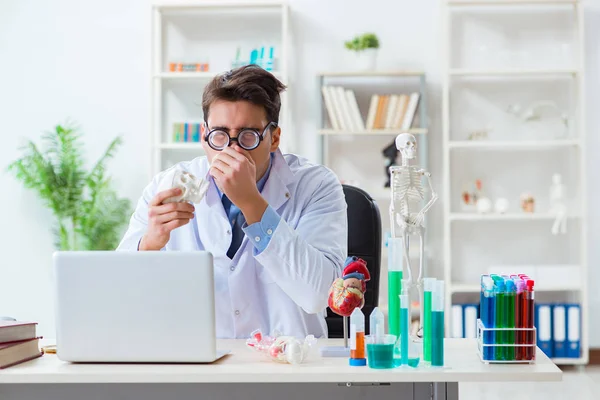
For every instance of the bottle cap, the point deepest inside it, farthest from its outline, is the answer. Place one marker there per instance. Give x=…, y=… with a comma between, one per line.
x=500, y=286
x=530, y=284
x=358, y=362
x=510, y=285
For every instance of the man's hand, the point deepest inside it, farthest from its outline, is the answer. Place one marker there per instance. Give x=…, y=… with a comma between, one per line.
x=163, y=218
x=235, y=174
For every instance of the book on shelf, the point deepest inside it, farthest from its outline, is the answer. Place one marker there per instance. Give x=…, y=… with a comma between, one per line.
x=342, y=108
x=411, y=110
x=18, y=342
x=386, y=111
x=372, y=111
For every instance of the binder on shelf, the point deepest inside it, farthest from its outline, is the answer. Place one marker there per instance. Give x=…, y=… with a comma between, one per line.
x=559, y=330
x=470, y=320
x=457, y=321
x=543, y=323
x=573, y=331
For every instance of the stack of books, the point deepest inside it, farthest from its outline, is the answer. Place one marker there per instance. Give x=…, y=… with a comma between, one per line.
x=386, y=111
x=18, y=343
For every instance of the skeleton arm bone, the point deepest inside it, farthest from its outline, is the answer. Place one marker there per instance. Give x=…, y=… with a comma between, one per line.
x=434, y=196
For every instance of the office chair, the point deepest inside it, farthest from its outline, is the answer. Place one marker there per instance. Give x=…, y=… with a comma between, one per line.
x=364, y=241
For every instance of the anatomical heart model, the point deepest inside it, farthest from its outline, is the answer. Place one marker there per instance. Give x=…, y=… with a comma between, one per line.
x=348, y=292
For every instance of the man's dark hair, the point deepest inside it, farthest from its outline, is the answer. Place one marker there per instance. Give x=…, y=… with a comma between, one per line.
x=248, y=83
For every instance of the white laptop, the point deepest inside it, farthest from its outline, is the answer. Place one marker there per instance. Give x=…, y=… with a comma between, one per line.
x=116, y=306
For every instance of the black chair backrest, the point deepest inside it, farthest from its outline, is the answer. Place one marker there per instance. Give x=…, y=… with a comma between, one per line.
x=364, y=241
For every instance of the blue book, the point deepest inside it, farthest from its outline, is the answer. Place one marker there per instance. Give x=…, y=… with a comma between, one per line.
x=543, y=324
x=196, y=134
x=186, y=137
x=573, y=330
x=559, y=330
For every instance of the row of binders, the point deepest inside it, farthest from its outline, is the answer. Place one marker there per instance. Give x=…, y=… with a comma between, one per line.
x=559, y=329
x=464, y=321
x=395, y=111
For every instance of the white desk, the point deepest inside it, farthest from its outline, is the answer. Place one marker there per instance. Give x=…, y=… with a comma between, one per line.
x=244, y=374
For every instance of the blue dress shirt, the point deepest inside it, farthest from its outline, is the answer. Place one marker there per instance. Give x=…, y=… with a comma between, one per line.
x=259, y=233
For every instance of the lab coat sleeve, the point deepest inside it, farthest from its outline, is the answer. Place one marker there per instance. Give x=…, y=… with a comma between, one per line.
x=306, y=260
x=138, y=222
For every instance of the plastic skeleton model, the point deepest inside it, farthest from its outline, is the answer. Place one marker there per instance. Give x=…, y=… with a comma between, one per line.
x=408, y=194
x=192, y=189
x=557, y=204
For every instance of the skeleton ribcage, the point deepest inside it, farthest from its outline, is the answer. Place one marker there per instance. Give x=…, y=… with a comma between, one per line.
x=407, y=189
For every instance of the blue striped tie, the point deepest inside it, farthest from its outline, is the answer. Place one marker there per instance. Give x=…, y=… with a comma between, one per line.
x=236, y=219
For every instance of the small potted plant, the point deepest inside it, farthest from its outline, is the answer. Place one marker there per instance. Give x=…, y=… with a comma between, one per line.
x=365, y=48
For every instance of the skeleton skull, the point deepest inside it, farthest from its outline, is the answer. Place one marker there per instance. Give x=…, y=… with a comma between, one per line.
x=407, y=144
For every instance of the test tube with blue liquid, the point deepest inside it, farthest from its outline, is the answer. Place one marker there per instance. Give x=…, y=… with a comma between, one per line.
x=429, y=284
x=487, y=309
x=437, y=325
x=404, y=323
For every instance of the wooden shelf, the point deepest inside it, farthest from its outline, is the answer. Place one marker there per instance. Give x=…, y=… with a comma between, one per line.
x=358, y=74
x=371, y=132
x=513, y=144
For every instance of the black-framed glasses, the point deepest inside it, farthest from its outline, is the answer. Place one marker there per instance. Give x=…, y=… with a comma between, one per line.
x=247, y=139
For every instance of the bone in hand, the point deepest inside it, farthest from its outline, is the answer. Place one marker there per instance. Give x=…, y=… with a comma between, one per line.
x=193, y=189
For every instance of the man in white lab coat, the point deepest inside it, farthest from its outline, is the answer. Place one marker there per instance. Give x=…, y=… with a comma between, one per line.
x=275, y=224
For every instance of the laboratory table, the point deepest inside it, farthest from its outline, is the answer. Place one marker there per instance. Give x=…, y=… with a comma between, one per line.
x=246, y=374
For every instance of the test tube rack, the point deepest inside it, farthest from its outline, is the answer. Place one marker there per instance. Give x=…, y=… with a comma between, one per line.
x=491, y=347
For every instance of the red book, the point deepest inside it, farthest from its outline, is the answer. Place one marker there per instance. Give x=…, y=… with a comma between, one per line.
x=18, y=352
x=15, y=331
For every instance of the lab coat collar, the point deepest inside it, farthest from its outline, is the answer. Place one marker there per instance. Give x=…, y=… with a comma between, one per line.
x=276, y=190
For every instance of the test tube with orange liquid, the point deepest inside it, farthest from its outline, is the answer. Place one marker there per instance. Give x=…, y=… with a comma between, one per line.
x=357, y=338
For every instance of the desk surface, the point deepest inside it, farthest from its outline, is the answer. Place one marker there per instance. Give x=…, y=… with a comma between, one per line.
x=244, y=365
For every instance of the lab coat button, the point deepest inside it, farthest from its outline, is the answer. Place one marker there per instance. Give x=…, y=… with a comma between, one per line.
x=228, y=232
x=257, y=239
x=237, y=312
x=232, y=268
x=270, y=231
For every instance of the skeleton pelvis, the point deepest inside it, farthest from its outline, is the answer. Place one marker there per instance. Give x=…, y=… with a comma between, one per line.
x=409, y=221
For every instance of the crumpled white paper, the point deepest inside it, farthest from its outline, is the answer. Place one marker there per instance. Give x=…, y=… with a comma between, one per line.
x=193, y=189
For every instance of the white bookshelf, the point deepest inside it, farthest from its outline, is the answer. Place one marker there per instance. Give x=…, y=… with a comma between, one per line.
x=356, y=155
x=192, y=31
x=478, y=80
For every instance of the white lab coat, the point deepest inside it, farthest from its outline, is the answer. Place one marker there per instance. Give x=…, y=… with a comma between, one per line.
x=285, y=287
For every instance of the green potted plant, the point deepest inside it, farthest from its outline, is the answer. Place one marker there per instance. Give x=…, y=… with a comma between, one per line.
x=365, y=48
x=89, y=214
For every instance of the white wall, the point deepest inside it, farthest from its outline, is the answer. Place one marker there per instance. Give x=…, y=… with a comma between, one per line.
x=89, y=61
